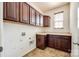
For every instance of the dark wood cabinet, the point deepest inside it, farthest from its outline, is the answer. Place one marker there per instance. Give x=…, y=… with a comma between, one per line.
x=24, y=12
x=11, y=11
x=46, y=21
x=41, y=41
x=66, y=43
x=60, y=42
x=42, y=20
x=51, y=42
x=32, y=16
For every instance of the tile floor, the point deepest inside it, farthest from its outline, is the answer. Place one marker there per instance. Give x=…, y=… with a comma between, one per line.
x=48, y=52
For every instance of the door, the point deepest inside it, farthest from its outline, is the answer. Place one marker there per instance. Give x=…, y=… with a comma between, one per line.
x=51, y=41
x=74, y=17
x=37, y=19
x=11, y=11
x=65, y=44
x=1, y=26
x=39, y=41
x=32, y=16
x=58, y=42
x=46, y=21
x=0, y=36
x=41, y=20
x=24, y=12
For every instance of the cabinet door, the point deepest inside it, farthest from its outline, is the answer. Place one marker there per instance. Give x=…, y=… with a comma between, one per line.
x=46, y=21
x=32, y=16
x=58, y=42
x=41, y=20
x=37, y=19
x=66, y=43
x=11, y=11
x=24, y=12
x=41, y=41
x=51, y=41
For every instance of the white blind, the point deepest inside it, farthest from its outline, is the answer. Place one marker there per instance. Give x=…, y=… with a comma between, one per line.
x=58, y=20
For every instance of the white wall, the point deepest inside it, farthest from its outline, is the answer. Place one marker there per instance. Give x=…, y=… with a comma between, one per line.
x=66, y=9
x=73, y=28
x=14, y=43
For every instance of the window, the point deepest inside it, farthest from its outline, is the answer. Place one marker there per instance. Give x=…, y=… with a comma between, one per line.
x=78, y=17
x=58, y=20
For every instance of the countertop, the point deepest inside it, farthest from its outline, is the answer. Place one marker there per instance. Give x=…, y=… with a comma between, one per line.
x=54, y=33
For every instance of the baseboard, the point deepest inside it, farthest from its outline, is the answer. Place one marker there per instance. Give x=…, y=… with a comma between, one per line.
x=29, y=52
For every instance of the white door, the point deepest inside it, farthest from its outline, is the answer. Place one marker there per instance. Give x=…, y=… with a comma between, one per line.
x=0, y=37
x=74, y=28
x=1, y=25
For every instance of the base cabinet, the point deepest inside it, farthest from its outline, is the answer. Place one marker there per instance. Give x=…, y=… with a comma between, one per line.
x=41, y=41
x=60, y=42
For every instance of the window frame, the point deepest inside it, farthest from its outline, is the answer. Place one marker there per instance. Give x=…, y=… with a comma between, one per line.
x=58, y=21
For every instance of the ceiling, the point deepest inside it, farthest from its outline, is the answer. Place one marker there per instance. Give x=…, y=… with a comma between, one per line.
x=45, y=6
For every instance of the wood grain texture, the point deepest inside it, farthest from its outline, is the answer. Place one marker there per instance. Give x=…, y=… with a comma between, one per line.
x=11, y=11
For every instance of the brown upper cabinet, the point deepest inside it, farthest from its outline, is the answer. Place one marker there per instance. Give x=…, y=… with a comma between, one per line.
x=46, y=21
x=32, y=16
x=11, y=11
x=61, y=42
x=24, y=12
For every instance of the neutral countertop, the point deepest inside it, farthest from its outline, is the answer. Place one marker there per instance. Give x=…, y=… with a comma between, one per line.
x=54, y=33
